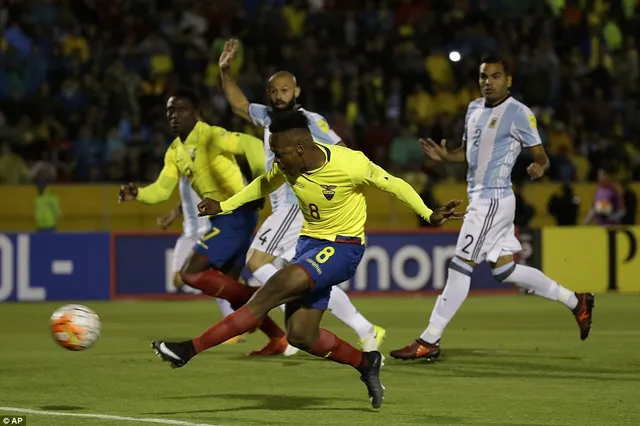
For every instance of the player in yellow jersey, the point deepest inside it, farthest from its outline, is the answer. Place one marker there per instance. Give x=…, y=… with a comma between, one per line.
x=327, y=181
x=205, y=155
x=251, y=162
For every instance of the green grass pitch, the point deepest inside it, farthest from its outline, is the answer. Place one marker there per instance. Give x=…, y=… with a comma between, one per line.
x=506, y=360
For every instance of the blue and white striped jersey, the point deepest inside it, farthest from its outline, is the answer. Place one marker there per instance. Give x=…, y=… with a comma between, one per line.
x=494, y=137
x=320, y=130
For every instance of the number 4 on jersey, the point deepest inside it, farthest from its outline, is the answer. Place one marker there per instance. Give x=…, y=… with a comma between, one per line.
x=263, y=237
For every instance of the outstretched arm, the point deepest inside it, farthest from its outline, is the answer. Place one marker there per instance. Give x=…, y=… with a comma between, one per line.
x=371, y=174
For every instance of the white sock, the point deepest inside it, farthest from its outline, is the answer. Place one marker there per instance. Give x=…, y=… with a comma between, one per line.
x=341, y=307
x=534, y=280
x=454, y=294
x=265, y=272
x=225, y=307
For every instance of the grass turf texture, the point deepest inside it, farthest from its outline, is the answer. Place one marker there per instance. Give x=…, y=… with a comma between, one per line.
x=507, y=360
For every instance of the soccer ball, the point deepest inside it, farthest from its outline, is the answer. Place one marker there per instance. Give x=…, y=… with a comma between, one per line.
x=75, y=327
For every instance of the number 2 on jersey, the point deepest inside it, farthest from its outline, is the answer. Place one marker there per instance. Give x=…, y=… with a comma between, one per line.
x=314, y=212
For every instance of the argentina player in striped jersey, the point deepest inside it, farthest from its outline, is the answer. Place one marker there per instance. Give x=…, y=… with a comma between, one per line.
x=497, y=127
x=277, y=237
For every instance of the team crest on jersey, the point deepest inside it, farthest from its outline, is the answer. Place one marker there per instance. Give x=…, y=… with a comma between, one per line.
x=328, y=191
x=493, y=122
x=192, y=154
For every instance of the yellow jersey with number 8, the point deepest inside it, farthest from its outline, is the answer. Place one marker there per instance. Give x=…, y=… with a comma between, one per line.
x=331, y=197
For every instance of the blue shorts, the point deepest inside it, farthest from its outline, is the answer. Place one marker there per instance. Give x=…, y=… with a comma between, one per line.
x=228, y=241
x=327, y=263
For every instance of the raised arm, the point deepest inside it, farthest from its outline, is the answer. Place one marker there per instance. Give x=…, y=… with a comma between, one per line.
x=163, y=187
x=238, y=101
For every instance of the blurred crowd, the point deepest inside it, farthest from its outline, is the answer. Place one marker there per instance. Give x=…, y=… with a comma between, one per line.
x=83, y=83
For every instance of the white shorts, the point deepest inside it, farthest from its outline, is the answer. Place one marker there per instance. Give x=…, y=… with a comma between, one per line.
x=279, y=233
x=487, y=230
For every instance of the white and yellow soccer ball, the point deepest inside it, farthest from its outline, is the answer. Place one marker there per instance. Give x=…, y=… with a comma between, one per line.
x=75, y=327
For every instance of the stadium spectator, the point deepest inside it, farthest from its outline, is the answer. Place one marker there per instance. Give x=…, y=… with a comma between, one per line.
x=72, y=72
x=13, y=169
x=564, y=206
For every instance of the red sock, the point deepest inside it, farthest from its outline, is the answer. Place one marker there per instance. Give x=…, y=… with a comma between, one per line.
x=337, y=350
x=232, y=325
x=216, y=284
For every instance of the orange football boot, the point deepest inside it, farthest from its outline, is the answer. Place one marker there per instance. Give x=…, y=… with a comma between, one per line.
x=418, y=349
x=273, y=347
x=584, y=313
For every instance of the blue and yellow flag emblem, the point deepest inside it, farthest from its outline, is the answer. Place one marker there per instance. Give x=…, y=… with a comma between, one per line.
x=328, y=191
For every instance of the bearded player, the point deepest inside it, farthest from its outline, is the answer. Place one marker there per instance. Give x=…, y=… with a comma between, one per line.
x=497, y=127
x=278, y=235
x=330, y=247
x=203, y=155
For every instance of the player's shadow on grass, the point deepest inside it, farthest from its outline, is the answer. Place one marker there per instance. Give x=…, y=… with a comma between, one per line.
x=269, y=402
x=538, y=361
x=298, y=359
x=505, y=369
x=506, y=353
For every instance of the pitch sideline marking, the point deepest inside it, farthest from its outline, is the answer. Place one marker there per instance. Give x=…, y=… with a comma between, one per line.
x=15, y=410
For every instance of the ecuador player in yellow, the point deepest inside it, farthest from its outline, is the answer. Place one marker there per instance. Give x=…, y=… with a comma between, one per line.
x=328, y=182
x=205, y=155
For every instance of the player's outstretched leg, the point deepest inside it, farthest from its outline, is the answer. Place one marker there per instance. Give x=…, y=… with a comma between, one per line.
x=304, y=332
x=214, y=283
x=226, y=310
x=455, y=292
x=288, y=284
x=580, y=304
